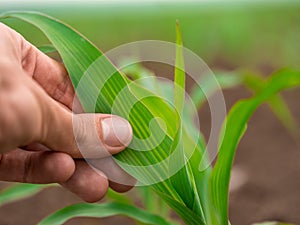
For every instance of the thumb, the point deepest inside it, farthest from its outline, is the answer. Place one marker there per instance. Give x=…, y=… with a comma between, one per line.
x=84, y=135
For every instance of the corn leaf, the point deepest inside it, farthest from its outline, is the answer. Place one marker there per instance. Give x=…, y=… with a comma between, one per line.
x=19, y=191
x=225, y=80
x=100, y=211
x=140, y=75
x=276, y=103
x=199, y=180
x=179, y=73
x=234, y=128
x=186, y=192
x=254, y=83
x=199, y=197
x=92, y=75
x=188, y=216
x=47, y=49
x=78, y=55
x=118, y=197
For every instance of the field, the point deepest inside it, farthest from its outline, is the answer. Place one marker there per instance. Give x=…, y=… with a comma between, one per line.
x=257, y=37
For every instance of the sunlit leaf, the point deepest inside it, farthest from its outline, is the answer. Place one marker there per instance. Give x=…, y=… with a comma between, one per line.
x=101, y=211
x=276, y=102
x=19, y=191
x=234, y=129
x=113, y=88
x=198, y=197
x=47, y=49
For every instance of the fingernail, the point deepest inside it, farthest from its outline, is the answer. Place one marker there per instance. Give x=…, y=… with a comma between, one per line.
x=116, y=131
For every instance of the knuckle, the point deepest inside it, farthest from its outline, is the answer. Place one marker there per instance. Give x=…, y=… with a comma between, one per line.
x=87, y=139
x=81, y=124
x=79, y=130
x=27, y=169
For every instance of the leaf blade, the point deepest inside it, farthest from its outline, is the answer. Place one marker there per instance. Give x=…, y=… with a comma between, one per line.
x=19, y=191
x=235, y=126
x=79, y=55
x=101, y=211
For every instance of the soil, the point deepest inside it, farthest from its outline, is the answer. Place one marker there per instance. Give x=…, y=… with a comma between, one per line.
x=267, y=158
x=270, y=158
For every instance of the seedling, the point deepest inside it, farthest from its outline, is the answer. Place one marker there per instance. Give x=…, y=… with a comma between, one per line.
x=198, y=197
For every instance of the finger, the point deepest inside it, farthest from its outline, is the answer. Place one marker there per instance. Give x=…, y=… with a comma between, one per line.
x=81, y=135
x=121, y=188
x=85, y=135
x=30, y=115
x=88, y=184
x=119, y=180
x=36, y=167
x=50, y=74
x=34, y=147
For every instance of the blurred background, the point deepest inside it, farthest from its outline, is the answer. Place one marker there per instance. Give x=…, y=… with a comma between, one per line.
x=256, y=36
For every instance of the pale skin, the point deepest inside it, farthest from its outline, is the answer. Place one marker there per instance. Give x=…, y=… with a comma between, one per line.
x=38, y=126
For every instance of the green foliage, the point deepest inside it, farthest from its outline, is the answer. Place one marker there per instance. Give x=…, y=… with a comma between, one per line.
x=198, y=197
x=210, y=29
x=19, y=191
x=100, y=211
x=276, y=102
x=234, y=128
x=47, y=49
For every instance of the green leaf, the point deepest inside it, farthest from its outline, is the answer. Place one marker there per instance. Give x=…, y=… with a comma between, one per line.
x=153, y=203
x=19, y=191
x=186, y=191
x=79, y=55
x=101, y=211
x=283, y=113
x=224, y=79
x=254, y=83
x=234, y=128
x=179, y=73
x=118, y=197
x=276, y=103
x=47, y=49
x=94, y=76
x=199, y=179
x=141, y=75
x=188, y=216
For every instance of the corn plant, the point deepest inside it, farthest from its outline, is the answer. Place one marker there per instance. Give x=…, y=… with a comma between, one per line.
x=199, y=197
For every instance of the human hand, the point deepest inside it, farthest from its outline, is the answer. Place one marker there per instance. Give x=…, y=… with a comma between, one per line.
x=38, y=130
